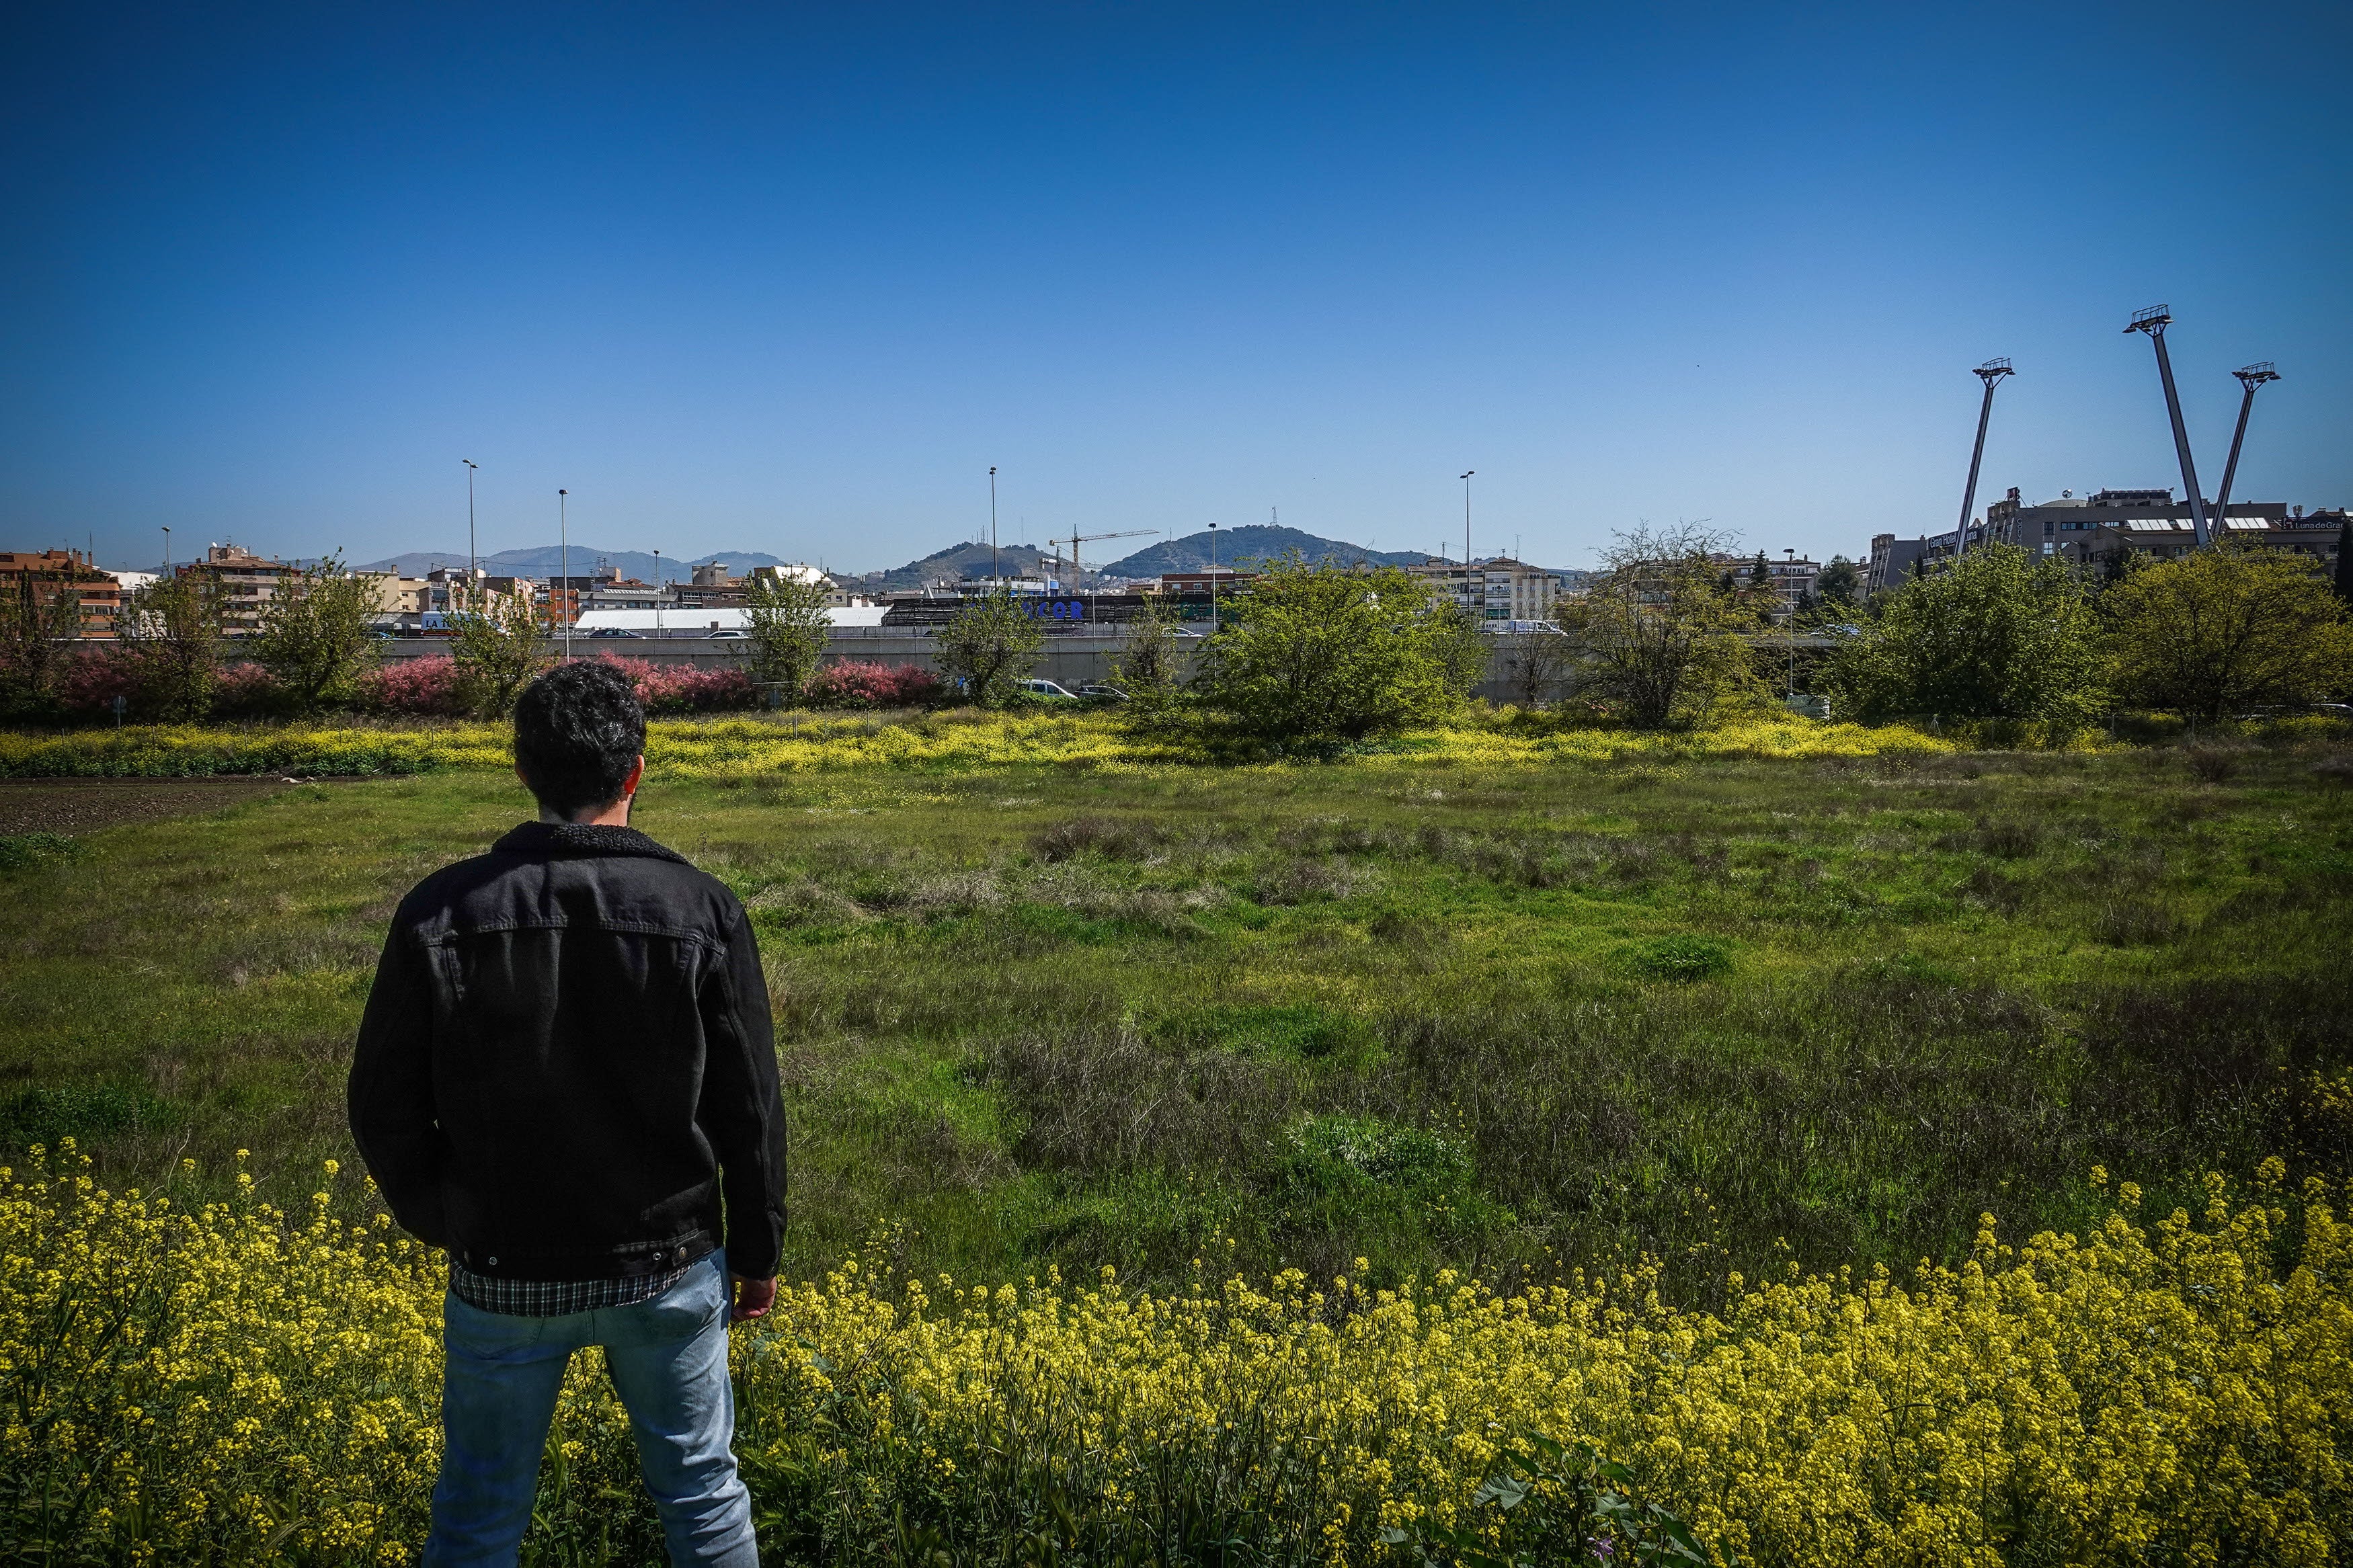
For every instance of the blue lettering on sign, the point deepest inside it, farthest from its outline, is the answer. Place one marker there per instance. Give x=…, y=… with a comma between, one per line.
x=1058, y=609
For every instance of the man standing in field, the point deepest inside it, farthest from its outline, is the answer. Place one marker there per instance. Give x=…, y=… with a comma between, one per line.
x=566, y=1077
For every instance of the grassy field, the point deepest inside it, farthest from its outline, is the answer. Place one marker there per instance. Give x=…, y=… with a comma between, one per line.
x=1734, y=1012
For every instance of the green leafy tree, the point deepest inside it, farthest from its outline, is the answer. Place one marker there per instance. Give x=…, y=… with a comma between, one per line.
x=2216, y=631
x=167, y=639
x=1149, y=666
x=1537, y=663
x=39, y=620
x=787, y=625
x=1838, y=585
x=498, y=648
x=988, y=645
x=318, y=636
x=1999, y=634
x=1313, y=656
x=1659, y=633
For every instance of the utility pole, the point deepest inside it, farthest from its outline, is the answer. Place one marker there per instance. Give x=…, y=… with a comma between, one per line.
x=2153, y=322
x=993, y=575
x=471, y=567
x=563, y=530
x=1990, y=373
x=2250, y=377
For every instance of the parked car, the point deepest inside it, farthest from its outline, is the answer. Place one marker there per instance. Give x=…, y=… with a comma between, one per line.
x=611, y=632
x=1046, y=689
x=715, y=635
x=1098, y=693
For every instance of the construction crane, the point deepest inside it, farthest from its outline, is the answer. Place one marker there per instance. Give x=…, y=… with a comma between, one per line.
x=1077, y=539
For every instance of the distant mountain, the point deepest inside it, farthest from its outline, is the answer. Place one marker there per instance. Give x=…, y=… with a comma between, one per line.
x=1240, y=547
x=547, y=560
x=1251, y=542
x=1235, y=546
x=958, y=561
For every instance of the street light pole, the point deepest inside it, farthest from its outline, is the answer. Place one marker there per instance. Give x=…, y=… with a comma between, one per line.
x=657, y=596
x=563, y=531
x=1213, y=579
x=1792, y=555
x=993, y=573
x=472, y=566
x=1467, y=539
x=167, y=549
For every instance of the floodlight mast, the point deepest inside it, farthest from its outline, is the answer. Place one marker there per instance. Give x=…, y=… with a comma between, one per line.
x=2250, y=377
x=2153, y=322
x=1990, y=373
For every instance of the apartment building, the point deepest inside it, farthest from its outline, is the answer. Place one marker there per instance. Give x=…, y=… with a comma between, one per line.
x=1790, y=578
x=1499, y=589
x=247, y=581
x=47, y=574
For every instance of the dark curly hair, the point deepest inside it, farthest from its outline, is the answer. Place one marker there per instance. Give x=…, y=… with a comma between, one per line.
x=578, y=728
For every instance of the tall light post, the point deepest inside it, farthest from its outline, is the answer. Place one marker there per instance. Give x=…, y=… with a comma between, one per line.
x=563, y=532
x=1213, y=579
x=1990, y=373
x=167, y=549
x=472, y=566
x=993, y=573
x=1466, y=530
x=1792, y=556
x=657, y=596
x=2250, y=377
x=2153, y=322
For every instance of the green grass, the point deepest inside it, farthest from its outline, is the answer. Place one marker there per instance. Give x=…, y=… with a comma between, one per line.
x=1730, y=1011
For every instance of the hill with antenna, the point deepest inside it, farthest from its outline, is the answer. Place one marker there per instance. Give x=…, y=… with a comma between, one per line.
x=1252, y=542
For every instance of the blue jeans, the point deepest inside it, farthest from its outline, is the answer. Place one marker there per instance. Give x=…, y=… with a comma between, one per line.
x=668, y=1357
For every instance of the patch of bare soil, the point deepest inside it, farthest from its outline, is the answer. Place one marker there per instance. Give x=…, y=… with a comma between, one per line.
x=82, y=805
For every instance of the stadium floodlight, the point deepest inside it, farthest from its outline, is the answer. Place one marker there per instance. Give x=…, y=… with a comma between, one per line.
x=2250, y=377
x=1990, y=373
x=2153, y=322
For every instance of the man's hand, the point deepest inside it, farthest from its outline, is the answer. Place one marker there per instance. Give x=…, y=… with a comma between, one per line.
x=752, y=1297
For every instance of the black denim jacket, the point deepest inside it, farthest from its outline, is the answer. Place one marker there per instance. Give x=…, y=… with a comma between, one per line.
x=567, y=1070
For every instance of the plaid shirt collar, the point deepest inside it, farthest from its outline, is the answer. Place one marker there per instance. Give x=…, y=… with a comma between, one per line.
x=557, y=1298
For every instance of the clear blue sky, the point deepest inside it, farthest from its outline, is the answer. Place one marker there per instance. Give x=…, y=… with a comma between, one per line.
x=791, y=278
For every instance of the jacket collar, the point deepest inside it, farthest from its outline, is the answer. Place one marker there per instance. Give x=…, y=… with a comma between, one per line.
x=582, y=838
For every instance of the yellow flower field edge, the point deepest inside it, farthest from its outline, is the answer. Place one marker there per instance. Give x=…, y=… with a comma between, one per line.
x=752, y=747
x=221, y=1384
